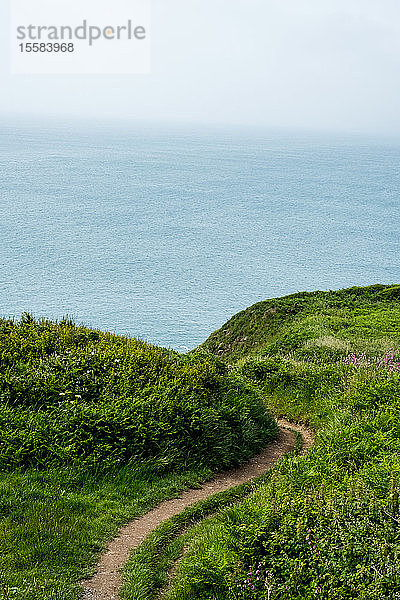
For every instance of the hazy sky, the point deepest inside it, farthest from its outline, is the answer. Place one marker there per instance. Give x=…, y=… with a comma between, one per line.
x=320, y=64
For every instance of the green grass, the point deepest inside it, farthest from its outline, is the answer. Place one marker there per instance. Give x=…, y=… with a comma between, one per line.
x=69, y=395
x=327, y=525
x=146, y=575
x=95, y=429
x=54, y=522
x=362, y=317
x=80, y=410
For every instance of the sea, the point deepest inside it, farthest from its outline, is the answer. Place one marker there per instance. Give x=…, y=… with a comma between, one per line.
x=163, y=232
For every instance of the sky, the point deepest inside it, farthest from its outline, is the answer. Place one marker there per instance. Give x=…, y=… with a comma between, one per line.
x=310, y=64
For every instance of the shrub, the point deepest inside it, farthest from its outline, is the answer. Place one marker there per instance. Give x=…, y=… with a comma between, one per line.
x=73, y=394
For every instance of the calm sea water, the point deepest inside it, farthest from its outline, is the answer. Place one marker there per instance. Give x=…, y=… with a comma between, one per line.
x=164, y=234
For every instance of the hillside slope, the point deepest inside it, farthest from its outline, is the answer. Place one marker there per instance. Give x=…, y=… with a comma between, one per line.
x=95, y=430
x=71, y=394
x=326, y=526
x=312, y=321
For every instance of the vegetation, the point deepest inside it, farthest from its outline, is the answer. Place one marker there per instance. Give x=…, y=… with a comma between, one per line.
x=324, y=325
x=148, y=572
x=94, y=430
x=54, y=522
x=325, y=525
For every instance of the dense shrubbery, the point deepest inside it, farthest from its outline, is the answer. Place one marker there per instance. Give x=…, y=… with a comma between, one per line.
x=72, y=394
x=327, y=524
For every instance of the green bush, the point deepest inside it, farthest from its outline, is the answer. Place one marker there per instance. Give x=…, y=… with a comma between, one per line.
x=71, y=394
x=269, y=369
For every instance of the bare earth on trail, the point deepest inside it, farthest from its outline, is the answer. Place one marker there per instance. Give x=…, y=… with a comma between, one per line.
x=106, y=582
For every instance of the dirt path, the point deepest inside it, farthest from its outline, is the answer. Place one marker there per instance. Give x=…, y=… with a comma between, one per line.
x=106, y=582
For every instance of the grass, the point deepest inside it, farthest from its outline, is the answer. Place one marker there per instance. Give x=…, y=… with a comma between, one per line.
x=76, y=425
x=54, y=522
x=69, y=395
x=360, y=317
x=146, y=575
x=327, y=525
x=96, y=429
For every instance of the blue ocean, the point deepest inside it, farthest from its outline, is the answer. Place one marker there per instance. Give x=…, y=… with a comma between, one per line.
x=163, y=233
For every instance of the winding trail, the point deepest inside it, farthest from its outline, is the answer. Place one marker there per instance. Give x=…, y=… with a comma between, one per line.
x=106, y=582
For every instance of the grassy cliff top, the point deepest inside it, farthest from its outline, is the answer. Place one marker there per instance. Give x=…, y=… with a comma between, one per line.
x=331, y=359
x=334, y=322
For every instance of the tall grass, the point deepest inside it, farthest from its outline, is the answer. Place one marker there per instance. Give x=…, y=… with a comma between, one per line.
x=327, y=525
x=69, y=394
x=95, y=429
